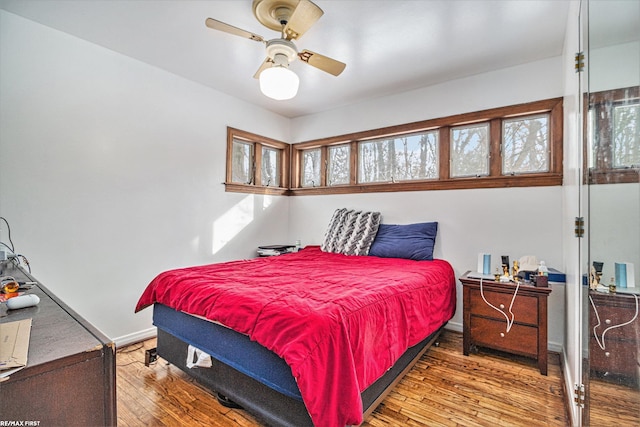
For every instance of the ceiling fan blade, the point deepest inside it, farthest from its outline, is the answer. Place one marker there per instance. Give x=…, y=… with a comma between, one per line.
x=322, y=62
x=221, y=26
x=302, y=18
x=267, y=63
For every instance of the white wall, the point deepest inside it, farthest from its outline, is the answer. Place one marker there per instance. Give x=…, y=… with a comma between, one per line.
x=111, y=171
x=508, y=221
x=614, y=67
x=529, y=82
x=614, y=227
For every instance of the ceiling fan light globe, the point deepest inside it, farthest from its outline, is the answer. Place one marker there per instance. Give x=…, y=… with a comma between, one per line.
x=279, y=83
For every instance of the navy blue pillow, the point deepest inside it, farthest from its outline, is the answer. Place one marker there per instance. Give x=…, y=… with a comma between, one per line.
x=411, y=241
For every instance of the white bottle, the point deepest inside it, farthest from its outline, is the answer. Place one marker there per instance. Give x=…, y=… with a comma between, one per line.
x=542, y=269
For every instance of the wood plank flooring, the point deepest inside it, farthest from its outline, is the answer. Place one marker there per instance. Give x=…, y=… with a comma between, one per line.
x=613, y=404
x=445, y=388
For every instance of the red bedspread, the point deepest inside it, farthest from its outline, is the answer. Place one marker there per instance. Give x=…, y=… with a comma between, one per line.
x=339, y=321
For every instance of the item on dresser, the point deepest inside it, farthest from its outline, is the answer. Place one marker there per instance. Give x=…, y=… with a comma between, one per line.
x=540, y=281
x=625, y=277
x=14, y=337
x=9, y=285
x=484, y=263
x=23, y=301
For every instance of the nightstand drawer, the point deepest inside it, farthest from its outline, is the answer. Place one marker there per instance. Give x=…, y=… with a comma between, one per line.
x=611, y=316
x=618, y=357
x=525, y=308
x=520, y=339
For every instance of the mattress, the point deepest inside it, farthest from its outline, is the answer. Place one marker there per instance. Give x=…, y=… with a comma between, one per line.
x=232, y=348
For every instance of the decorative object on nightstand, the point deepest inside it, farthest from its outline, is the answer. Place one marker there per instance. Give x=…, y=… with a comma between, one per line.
x=510, y=317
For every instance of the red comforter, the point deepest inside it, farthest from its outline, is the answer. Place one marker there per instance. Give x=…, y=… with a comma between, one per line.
x=339, y=321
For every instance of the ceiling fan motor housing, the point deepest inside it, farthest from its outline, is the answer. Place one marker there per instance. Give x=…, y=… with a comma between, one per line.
x=274, y=14
x=282, y=51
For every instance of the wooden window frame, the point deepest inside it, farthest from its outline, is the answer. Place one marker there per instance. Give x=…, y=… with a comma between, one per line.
x=603, y=102
x=495, y=179
x=258, y=142
x=291, y=155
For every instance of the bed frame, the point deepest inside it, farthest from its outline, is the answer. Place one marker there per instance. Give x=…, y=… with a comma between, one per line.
x=270, y=406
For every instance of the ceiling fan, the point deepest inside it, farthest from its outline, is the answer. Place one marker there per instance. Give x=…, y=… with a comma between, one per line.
x=292, y=18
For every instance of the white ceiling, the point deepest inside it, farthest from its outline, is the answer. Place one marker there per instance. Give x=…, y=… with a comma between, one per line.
x=388, y=46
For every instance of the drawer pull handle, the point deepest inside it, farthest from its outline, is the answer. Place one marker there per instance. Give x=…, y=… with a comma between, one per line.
x=502, y=334
x=608, y=321
x=501, y=305
x=607, y=354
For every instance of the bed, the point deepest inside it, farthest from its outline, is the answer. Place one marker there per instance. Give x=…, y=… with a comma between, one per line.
x=307, y=338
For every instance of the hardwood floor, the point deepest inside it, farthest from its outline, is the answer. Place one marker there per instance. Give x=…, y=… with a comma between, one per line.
x=613, y=404
x=445, y=388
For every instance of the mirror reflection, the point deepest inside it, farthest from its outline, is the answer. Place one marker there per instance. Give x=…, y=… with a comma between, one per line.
x=612, y=131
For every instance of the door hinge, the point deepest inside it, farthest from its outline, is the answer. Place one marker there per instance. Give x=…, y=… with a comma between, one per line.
x=579, y=62
x=579, y=230
x=578, y=398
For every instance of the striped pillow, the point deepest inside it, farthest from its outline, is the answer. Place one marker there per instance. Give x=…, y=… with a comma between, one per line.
x=351, y=232
x=333, y=230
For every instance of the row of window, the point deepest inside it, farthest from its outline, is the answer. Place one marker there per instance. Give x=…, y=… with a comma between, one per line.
x=511, y=146
x=525, y=148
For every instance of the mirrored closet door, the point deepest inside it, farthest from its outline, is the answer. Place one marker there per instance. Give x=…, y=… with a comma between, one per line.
x=612, y=177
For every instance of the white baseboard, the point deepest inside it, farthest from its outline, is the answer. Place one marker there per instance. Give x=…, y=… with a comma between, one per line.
x=135, y=337
x=569, y=382
x=454, y=326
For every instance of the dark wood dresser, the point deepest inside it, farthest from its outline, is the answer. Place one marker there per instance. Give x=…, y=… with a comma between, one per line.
x=69, y=379
x=484, y=326
x=614, y=334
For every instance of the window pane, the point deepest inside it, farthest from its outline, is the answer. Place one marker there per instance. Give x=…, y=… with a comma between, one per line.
x=470, y=151
x=626, y=138
x=404, y=158
x=242, y=159
x=311, y=168
x=339, y=165
x=270, y=167
x=525, y=145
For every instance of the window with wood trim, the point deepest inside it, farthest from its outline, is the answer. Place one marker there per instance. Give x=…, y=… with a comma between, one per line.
x=515, y=146
x=398, y=158
x=470, y=150
x=613, y=136
x=339, y=165
x=256, y=164
x=311, y=160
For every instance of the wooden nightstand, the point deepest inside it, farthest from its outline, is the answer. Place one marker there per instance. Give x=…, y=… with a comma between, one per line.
x=615, y=351
x=485, y=326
